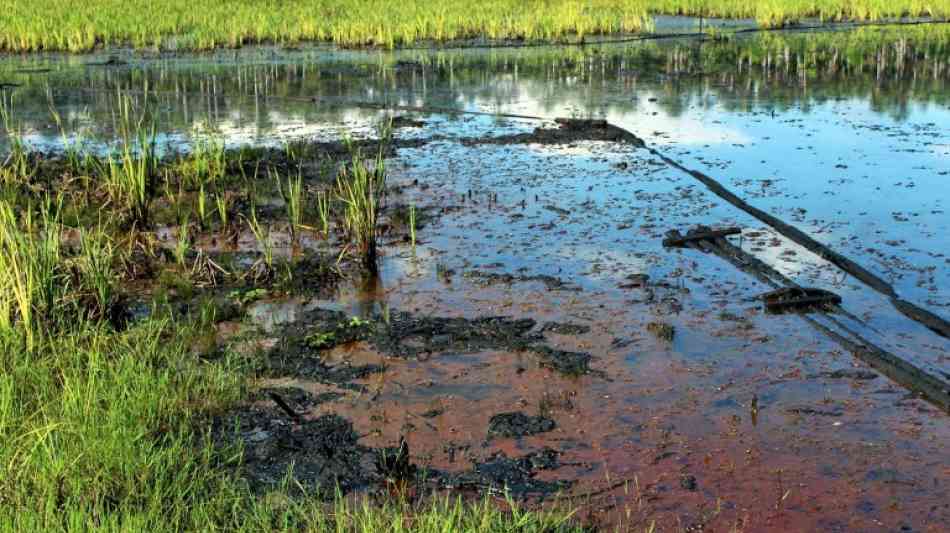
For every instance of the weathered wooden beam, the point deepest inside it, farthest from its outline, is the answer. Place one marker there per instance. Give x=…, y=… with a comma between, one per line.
x=797, y=299
x=581, y=122
x=679, y=241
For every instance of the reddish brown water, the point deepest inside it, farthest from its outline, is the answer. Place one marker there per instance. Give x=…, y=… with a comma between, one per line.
x=738, y=423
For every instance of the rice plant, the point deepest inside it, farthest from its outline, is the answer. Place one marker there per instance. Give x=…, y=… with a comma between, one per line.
x=292, y=193
x=207, y=24
x=98, y=275
x=207, y=163
x=412, y=225
x=129, y=173
x=129, y=179
x=362, y=189
x=323, y=212
x=222, y=204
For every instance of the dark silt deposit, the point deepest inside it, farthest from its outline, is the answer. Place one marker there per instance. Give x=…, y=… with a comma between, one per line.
x=567, y=131
x=551, y=283
x=506, y=425
x=516, y=476
x=409, y=336
x=320, y=454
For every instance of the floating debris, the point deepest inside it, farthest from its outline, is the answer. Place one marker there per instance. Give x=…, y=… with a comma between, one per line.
x=661, y=331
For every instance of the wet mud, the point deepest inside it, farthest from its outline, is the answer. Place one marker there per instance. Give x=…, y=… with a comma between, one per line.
x=318, y=454
x=568, y=131
x=324, y=453
x=402, y=335
x=518, y=425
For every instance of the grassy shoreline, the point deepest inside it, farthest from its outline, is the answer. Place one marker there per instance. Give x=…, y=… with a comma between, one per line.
x=59, y=25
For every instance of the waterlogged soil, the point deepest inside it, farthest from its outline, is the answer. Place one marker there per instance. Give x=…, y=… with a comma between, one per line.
x=695, y=406
x=538, y=336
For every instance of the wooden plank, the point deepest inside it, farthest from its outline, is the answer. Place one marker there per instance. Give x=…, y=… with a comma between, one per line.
x=798, y=298
x=581, y=122
x=680, y=241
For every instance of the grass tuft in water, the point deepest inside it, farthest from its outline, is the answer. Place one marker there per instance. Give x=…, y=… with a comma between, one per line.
x=129, y=172
x=292, y=193
x=361, y=189
x=16, y=167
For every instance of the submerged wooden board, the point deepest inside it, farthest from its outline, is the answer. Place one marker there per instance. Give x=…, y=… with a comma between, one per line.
x=798, y=299
x=679, y=241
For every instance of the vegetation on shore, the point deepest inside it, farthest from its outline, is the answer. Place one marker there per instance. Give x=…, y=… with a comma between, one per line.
x=208, y=24
x=105, y=417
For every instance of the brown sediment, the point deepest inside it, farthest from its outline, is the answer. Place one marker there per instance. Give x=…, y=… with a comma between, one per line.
x=659, y=460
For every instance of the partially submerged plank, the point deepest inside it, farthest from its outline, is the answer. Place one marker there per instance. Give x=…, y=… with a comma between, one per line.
x=580, y=123
x=679, y=241
x=928, y=385
x=931, y=320
x=798, y=299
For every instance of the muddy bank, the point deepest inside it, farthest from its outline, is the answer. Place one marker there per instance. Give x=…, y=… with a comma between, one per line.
x=568, y=131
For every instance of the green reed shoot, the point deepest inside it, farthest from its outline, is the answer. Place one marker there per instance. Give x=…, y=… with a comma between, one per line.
x=290, y=150
x=262, y=235
x=323, y=212
x=183, y=242
x=72, y=147
x=222, y=204
x=412, y=225
x=292, y=194
x=202, y=206
x=362, y=189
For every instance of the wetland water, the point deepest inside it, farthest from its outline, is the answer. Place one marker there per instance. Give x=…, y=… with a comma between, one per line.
x=733, y=418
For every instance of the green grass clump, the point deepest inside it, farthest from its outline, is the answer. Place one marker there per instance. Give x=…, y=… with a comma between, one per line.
x=361, y=188
x=16, y=167
x=96, y=428
x=130, y=172
x=32, y=272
